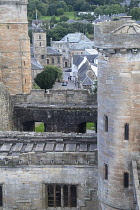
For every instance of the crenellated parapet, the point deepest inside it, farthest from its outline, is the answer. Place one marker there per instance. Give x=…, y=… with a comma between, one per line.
x=11, y=2
x=117, y=35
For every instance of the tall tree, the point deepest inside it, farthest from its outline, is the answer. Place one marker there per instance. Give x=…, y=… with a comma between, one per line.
x=46, y=79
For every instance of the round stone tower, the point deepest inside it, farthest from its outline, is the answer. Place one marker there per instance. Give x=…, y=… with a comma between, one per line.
x=118, y=43
x=15, y=61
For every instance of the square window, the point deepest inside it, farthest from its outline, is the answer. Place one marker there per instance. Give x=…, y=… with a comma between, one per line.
x=59, y=195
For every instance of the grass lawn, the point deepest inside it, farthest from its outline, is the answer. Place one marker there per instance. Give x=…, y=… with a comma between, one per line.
x=39, y=128
x=90, y=126
x=68, y=14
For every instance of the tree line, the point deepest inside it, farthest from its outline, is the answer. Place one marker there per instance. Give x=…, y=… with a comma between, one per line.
x=57, y=8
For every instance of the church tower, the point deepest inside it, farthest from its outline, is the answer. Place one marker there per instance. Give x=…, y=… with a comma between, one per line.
x=118, y=43
x=39, y=46
x=15, y=64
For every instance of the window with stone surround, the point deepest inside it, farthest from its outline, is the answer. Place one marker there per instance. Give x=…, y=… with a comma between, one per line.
x=59, y=195
x=126, y=180
x=105, y=171
x=1, y=196
x=39, y=36
x=48, y=61
x=126, y=131
x=42, y=56
x=106, y=123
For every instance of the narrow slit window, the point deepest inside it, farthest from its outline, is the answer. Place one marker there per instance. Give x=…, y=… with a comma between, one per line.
x=106, y=123
x=126, y=180
x=40, y=43
x=1, y=196
x=106, y=171
x=126, y=131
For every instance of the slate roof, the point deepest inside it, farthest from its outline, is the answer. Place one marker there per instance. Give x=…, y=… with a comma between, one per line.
x=75, y=37
x=32, y=51
x=82, y=45
x=50, y=50
x=35, y=65
x=12, y=144
x=77, y=59
x=87, y=81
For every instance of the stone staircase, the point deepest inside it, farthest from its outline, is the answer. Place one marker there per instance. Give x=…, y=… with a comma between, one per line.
x=90, y=202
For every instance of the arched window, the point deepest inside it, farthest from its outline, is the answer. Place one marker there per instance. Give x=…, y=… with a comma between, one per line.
x=106, y=123
x=105, y=171
x=126, y=180
x=126, y=131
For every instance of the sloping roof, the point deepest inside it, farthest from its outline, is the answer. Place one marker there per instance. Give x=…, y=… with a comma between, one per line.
x=82, y=45
x=75, y=37
x=32, y=51
x=87, y=81
x=35, y=65
x=50, y=50
x=70, y=21
x=78, y=60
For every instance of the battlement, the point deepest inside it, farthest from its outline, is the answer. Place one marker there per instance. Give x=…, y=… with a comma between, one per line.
x=121, y=34
x=75, y=97
x=16, y=2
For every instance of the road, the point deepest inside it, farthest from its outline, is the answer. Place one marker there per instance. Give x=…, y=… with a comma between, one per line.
x=70, y=85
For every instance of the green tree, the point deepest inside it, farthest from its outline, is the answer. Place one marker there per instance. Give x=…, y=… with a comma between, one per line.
x=135, y=13
x=63, y=18
x=60, y=11
x=52, y=9
x=98, y=11
x=63, y=5
x=46, y=79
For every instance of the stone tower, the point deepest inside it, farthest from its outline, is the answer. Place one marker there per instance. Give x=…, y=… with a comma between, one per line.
x=39, y=43
x=118, y=43
x=15, y=61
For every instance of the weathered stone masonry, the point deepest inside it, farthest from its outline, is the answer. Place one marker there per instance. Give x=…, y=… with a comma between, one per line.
x=118, y=43
x=15, y=64
x=30, y=161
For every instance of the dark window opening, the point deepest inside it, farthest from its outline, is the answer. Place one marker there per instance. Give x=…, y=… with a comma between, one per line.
x=42, y=56
x=1, y=197
x=7, y=27
x=52, y=60
x=62, y=195
x=24, y=63
x=126, y=131
x=58, y=60
x=126, y=180
x=106, y=123
x=106, y=171
x=48, y=61
x=40, y=43
x=39, y=36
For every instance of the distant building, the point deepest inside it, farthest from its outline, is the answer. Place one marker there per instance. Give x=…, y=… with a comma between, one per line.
x=71, y=44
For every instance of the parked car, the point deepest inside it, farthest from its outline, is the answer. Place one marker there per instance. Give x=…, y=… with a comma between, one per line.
x=68, y=70
x=64, y=83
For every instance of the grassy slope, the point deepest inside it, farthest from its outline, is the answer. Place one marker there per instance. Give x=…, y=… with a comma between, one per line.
x=70, y=15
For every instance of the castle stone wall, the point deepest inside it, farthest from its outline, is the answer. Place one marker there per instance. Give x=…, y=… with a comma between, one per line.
x=6, y=110
x=118, y=105
x=30, y=161
x=81, y=97
x=15, y=47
